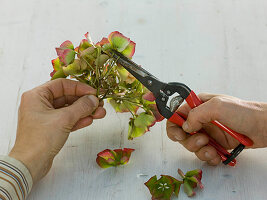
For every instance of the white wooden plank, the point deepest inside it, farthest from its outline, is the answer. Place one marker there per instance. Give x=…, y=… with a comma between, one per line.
x=211, y=45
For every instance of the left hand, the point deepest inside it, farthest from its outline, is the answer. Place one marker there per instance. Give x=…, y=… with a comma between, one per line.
x=47, y=115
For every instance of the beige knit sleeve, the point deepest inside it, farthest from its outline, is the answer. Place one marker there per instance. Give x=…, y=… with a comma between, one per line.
x=15, y=179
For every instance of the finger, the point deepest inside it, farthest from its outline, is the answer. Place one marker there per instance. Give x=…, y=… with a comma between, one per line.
x=195, y=142
x=174, y=132
x=64, y=100
x=100, y=112
x=215, y=161
x=84, y=122
x=65, y=87
x=207, y=153
x=204, y=113
x=81, y=108
x=206, y=96
x=101, y=103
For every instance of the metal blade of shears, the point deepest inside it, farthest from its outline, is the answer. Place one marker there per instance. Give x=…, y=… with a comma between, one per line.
x=146, y=78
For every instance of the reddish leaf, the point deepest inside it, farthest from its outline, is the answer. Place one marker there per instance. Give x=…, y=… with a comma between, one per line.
x=103, y=41
x=109, y=158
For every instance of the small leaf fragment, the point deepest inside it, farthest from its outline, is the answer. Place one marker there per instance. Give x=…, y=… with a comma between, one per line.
x=112, y=158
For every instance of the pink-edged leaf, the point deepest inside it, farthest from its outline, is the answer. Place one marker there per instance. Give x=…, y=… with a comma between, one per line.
x=144, y=120
x=129, y=50
x=177, y=185
x=103, y=163
x=67, y=45
x=109, y=158
x=161, y=189
x=188, y=189
x=56, y=64
x=196, y=175
x=124, y=155
x=106, y=154
x=52, y=73
x=84, y=44
x=156, y=113
x=118, y=41
x=149, y=96
x=57, y=74
x=66, y=56
x=102, y=42
x=191, y=179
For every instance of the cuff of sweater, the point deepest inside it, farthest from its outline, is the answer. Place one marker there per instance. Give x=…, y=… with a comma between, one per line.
x=15, y=179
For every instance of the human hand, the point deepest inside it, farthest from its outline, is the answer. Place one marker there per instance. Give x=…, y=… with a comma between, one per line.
x=248, y=118
x=47, y=115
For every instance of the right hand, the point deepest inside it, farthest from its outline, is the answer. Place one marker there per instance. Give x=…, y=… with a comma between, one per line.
x=248, y=118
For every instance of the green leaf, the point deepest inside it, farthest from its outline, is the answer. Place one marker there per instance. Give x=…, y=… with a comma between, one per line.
x=161, y=189
x=188, y=189
x=123, y=106
x=58, y=74
x=144, y=120
x=118, y=41
x=193, y=173
x=112, y=158
x=129, y=50
x=177, y=185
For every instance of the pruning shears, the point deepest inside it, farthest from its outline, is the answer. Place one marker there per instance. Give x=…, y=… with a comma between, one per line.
x=169, y=96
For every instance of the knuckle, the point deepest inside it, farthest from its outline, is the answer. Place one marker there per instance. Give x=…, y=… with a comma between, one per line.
x=217, y=105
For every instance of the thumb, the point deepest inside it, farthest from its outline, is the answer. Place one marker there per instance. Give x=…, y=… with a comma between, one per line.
x=200, y=115
x=83, y=107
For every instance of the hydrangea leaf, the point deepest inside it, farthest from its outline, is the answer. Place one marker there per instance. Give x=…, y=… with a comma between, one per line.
x=66, y=55
x=125, y=75
x=102, y=42
x=140, y=125
x=134, y=131
x=106, y=47
x=102, y=59
x=57, y=74
x=74, y=68
x=129, y=50
x=122, y=106
x=57, y=65
x=155, y=111
x=191, y=179
x=197, y=173
x=67, y=45
x=188, y=189
x=144, y=120
x=109, y=158
x=124, y=155
x=118, y=41
x=149, y=96
x=84, y=44
x=161, y=189
x=177, y=185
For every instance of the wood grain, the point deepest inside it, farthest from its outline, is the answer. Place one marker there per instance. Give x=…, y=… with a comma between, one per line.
x=211, y=45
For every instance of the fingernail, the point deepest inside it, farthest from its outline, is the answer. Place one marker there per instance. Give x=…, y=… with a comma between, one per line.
x=94, y=100
x=207, y=155
x=200, y=142
x=186, y=127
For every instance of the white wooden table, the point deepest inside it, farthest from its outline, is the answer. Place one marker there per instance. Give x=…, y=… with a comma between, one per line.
x=211, y=45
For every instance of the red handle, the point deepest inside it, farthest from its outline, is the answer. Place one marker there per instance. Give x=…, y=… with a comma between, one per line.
x=193, y=101
x=178, y=119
